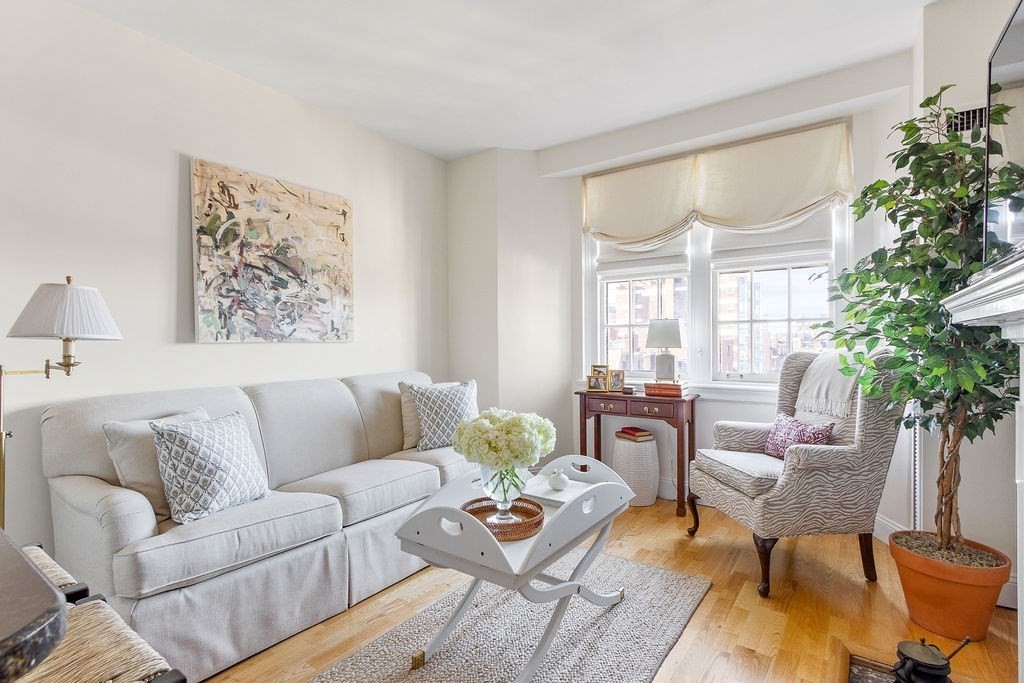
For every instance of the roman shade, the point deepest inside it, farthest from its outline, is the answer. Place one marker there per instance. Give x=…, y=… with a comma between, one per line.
x=763, y=186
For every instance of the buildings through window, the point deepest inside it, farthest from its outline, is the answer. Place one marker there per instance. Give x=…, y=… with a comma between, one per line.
x=764, y=314
x=628, y=306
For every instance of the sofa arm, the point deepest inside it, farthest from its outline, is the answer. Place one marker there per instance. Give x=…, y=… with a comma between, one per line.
x=741, y=436
x=814, y=457
x=92, y=520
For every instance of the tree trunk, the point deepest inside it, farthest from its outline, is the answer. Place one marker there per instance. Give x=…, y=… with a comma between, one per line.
x=947, y=513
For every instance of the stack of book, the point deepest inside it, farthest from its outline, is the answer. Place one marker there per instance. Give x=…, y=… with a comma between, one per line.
x=663, y=389
x=634, y=434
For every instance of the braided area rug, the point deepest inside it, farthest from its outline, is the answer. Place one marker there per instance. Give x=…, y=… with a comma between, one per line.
x=493, y=642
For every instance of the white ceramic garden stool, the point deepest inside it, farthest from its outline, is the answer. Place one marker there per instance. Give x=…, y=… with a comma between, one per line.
x=637, y=463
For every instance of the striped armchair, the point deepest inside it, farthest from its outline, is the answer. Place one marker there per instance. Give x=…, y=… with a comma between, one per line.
x=833, y=489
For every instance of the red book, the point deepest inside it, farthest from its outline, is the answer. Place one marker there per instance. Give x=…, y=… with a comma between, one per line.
x=631, y=437
x=635, y=431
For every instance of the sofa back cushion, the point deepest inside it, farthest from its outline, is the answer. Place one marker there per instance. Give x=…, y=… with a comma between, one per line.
x=308, y=427
x=73, y=438
x=380, y=405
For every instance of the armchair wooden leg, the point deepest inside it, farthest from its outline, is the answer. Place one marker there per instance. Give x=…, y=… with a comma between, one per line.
x=764, y=553
x=691, y=501
x=867, y=556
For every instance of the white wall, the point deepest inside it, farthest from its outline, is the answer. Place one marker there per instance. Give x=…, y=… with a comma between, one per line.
x=956, y=40
x=98, y=125
x=510, y=283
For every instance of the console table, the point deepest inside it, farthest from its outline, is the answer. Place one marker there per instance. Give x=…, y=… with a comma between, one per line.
x=678, y=412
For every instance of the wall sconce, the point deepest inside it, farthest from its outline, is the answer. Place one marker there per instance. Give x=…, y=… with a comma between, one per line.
x=56, y=311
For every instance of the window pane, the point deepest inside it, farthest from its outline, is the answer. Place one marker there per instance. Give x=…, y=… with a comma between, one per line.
x=810, y=297
x=769, y=346
x=803, y=338
x=675, y=298
x=617, y=349
x=643, y=356
x=734, y=348
x=770, y=295
x=733, y=296
x=675, y=303
x=617, y=303
x=645, y=301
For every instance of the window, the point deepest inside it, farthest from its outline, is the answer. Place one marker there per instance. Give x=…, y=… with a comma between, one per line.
x=628, y=305
x=763, y=314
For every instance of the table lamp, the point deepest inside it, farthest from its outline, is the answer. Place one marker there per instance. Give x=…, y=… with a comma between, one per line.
x=56, y=311
x=664, y=334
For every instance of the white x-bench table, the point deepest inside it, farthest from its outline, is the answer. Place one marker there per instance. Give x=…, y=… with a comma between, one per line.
x=445, y=536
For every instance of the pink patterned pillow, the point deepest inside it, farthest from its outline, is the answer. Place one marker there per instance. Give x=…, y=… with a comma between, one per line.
x=788, y=431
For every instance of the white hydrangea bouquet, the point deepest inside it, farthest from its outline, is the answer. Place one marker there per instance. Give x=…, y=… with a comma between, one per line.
x=503, y=442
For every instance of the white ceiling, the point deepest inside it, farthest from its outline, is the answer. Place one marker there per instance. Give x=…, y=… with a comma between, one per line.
x=456, y=76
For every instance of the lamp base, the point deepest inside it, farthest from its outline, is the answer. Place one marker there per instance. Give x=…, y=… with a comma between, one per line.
x=665, y=367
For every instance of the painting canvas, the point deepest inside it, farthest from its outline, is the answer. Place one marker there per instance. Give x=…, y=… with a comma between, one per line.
x=273, y=260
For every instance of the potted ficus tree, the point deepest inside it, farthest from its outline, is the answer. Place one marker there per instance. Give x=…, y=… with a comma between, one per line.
x=960, y=380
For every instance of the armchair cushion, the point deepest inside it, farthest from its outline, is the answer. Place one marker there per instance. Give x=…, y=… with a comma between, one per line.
x=751, y=473
x=788, y=431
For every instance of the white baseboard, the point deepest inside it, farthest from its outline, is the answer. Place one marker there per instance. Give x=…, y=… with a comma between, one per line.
x=667, y=488
x=885, y=526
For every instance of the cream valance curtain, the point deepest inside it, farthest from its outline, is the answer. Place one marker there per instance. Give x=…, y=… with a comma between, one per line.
x=765, y=185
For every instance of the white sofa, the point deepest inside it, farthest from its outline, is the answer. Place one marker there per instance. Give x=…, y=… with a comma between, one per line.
x=215, y=591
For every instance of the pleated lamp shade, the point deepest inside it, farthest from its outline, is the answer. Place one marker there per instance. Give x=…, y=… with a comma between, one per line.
x=66, y=311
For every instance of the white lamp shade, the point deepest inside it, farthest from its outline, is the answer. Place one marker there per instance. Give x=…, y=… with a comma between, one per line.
x=664, y=334
x=66, y=311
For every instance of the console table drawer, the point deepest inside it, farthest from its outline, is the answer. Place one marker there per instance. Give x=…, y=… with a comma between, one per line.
x=613, y=406
x=651, y=409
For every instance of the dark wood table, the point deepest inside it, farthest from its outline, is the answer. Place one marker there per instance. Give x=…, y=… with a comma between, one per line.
x=678, y=412
x=32, y=617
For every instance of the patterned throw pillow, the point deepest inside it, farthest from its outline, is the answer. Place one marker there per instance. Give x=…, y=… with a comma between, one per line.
x=207, y=465
x=788, y=431
x=440, y=409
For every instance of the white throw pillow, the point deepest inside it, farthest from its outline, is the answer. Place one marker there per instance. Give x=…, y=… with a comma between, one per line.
x=208, y=465
x=131, y=448
x=441, y=409
x=410, y=418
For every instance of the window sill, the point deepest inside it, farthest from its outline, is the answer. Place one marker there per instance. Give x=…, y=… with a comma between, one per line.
x=739, y=392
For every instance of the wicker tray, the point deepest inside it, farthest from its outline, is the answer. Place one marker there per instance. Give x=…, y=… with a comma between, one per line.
x=531, y=511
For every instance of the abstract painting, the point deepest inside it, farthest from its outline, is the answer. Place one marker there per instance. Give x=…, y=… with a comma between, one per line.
x=273, y=260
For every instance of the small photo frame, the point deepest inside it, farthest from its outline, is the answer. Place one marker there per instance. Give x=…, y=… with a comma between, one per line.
x=616, y=380
x=598, y=370
x=597, y=383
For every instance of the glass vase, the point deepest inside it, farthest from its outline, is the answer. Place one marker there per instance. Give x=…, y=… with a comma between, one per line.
x=503, y=487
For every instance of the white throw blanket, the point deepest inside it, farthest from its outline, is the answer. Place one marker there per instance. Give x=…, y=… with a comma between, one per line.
x=824, y=390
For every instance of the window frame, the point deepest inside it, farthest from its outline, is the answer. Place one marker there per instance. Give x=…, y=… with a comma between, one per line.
x=630, y=273
x=749, y=265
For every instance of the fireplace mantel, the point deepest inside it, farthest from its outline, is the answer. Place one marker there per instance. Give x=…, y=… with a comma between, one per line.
x=998, y=299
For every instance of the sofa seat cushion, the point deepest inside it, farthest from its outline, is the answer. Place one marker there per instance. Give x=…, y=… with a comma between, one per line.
x=450, y=464
x=372, y=487
x=182, y=555
x=751, y=473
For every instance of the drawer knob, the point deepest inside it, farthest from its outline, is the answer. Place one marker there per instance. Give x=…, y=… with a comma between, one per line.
x=648, y=411
x=606, y=408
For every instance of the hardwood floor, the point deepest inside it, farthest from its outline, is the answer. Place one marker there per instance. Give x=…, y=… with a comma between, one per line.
x=818, y=594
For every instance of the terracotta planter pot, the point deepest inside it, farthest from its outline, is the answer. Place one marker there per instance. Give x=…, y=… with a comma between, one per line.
x=950, y=599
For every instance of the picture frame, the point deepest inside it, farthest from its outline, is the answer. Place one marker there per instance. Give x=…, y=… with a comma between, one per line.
x=616, y=380
x=598, y=371
x=597, y=383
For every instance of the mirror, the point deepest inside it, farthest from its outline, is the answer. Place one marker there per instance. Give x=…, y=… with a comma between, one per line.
x=1005, y=218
